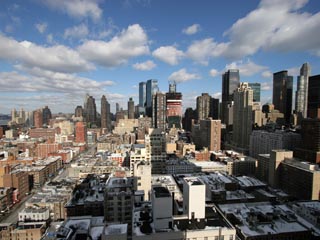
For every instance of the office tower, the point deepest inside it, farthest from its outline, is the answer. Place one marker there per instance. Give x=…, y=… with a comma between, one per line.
x=242, y=115
x=314, y=97
x=78, y=112
x=302, y=90
x=81, y=132
x=91, y=112
x=37, y=118
x=256, y=88
x=117, y=107
x=214, y=108
x=142, y=94
x=159, y=111
x=282, y=93
x=104, y=112
x=203, y=106
x=189, y=114
x=230, y=82
x=130, y=109
x=46, y=115
x=13, y=114
x=210, y=134
x=151, y=88
x=309, y=149
x=174, y=106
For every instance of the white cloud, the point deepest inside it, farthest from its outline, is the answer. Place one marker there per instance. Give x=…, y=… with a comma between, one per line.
x=217, y=95
x=39, y=80
x=144, y=66
x=77, y=8
x=193, y=29
x=201, y=51
x=183, y=76
x=41, y=27
x=248, y=68
x=168, y=54
x=266, y=86
x=50, y=38
x=131, y=42
x=79, y=31
x=266, y=74
x=56, y=58
x=275, y=26
x=294, y=71
x=214, y=72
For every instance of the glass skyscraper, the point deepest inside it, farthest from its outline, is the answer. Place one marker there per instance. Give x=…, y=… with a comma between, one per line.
x=256, y=87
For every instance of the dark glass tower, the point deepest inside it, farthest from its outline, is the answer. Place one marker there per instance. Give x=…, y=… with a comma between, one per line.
x=282, y=93
x=256, y=87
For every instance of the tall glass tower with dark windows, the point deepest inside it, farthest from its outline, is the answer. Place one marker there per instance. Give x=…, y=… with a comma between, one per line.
x=230, y=82
x=256, y=87
x=282, y=93
x=151, y=88
x=301, y=104
x=142, y=94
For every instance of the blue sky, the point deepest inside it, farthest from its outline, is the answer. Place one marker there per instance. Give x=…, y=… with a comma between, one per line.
x=53, y=52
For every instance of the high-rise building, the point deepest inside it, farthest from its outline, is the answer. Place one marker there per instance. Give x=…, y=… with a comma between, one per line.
x=174, y=107
x=151, y=88
x=91, y=112
x=207, y=134
x=130, y=109
x=105, y=113
x=282, y=93
x=117, y=107
x=78, y=112
x=309, y=149
x=230, y=82
x=46, y=115
x=37, y=118
x=214, y=108
x=189, y=114
x=314, y=97
x=242, y=115
x=142, y=94
x=159, y=111
x=81, y=132
x=203, y=106
x=302, y=90
x=256, y=88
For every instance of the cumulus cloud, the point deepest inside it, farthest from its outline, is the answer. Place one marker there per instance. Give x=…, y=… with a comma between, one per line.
x=266, y=86
x=79, y=31
x=294, y=71
x=144, y=66
x=217, y=95
x=41, y=27
x=266, y=74
x=77, y=8
x=183, y=76
x=168, y=54
x=248, y=68
x=39, y=80
x=214, y=72
x=131, y=42
x=56, y=58
x=193, y=29
x=202, y=50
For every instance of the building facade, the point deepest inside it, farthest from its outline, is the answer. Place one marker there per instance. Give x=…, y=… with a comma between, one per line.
x=302, y=90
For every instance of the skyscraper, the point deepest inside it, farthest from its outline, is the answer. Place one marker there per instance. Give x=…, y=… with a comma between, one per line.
x=117, y=107
x=105, y=113
x=214, y=108
x=282, y=93
x=314, y=97
x=78, y=112
x=91, y=112
x=242, y=115
x=142, y=94
x=37, y=118
x=46, y=115
x=230, y=82
x=151, y=88
x=174, y=107
x=256, y=88
x=159, y=111
x=130, y=109
x=203, y=106
x=301, y=105
x=81, y=132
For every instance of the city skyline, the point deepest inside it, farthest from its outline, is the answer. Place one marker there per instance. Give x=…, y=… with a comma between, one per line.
x=53, y=52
